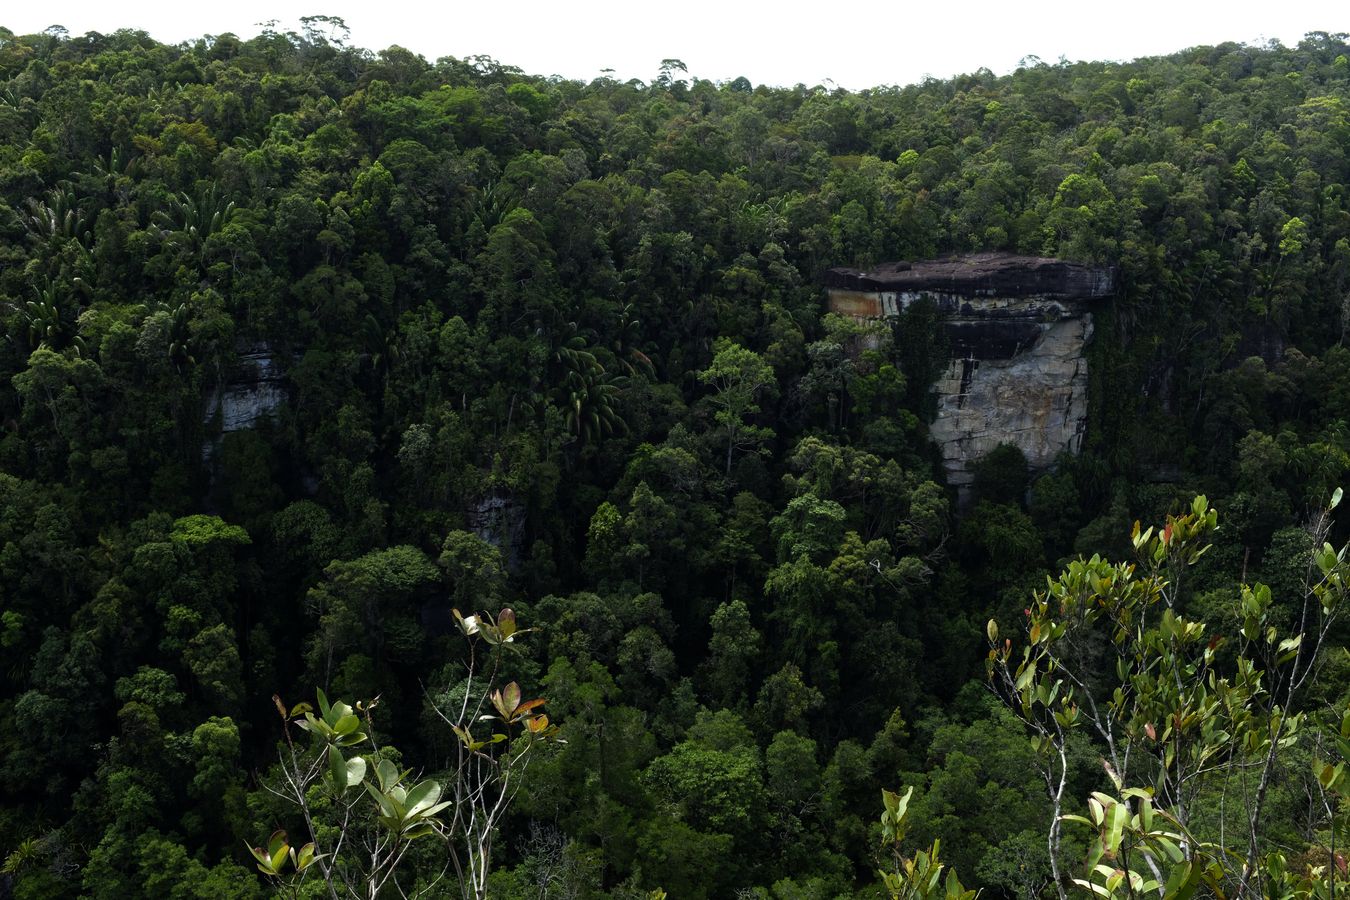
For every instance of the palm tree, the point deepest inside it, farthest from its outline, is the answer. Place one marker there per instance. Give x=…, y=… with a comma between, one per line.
x=51, y=320
x=180, y=338
x=190, y=221
x=583, y=390
x=624, y=345
x=55, y=220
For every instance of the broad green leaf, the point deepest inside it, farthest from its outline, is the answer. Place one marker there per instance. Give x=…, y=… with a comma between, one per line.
x=279, y=855
x=422, y=796
x=436, y=810
x=1025, y=677
x=1172, y=850
x=387, y=807
x=1182, y=882
x=1094, y=888
x=305, y=857
x=264, y=861
x=1120, y=816
x=336, y=713
x=387, y=772
x=337, y=769
x=417, y=832
x=351, y=740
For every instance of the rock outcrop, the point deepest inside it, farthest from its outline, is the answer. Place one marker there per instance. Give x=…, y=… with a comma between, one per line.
x=1017, y=327
x=499, y=519
x=254, y=389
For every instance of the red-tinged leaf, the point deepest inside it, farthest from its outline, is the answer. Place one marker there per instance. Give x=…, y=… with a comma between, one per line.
x=529, y=705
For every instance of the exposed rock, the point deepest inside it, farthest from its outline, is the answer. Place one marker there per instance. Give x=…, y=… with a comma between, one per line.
x=981, y=275
x=1035, y=399
x=500, y=520
x=1017, y=327
x=255, y=388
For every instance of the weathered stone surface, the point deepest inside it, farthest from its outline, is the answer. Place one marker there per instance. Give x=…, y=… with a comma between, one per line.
x=981, y=275
x=1016, y=326
x=1035, y=399
x=500, y=521
x=254, y=389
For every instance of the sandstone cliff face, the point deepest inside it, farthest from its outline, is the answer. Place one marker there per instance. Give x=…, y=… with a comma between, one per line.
x=255, y=389
x=499, y=519
x=1017, y=328
x=1036, y=399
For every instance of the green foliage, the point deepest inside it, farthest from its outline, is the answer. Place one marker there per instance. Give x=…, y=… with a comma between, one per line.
x=918, y=877
x=1001, y=475
x=1179, y=719
x=738, y=376
x=365, y=846
x=306, y=347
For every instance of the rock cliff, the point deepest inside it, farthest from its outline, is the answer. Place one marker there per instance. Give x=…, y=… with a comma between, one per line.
x=1017, y=327
x=499, y=519
x=255, y=388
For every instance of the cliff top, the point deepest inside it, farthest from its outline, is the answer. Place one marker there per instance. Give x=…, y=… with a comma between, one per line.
x=982, y=274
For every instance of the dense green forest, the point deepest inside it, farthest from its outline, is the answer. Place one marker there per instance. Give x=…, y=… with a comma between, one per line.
x=561, y=348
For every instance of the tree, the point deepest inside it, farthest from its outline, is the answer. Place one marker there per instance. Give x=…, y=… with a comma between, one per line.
x=476, y=286
x=369, y=605
x=1177, y=714
x=732, y=650
x=917, y=877
x=664, y=77
x=358, y=848
x=738, y=376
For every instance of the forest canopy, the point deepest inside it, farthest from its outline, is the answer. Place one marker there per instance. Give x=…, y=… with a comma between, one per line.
x=315, y=360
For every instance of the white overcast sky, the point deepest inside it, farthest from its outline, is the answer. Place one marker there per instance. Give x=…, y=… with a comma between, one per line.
x=855, y=44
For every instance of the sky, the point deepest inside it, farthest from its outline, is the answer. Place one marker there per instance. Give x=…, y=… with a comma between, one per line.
x=847, y=43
